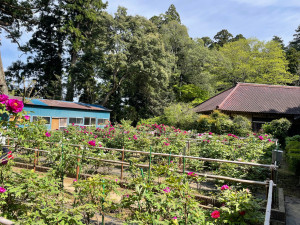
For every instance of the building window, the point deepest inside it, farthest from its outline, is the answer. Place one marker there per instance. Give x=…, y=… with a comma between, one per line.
x=46, y=118
x=102, y=121
x=89, y=121
x=62, y=123
x=75, y=120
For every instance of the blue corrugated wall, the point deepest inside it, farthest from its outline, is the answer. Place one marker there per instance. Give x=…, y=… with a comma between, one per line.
x=65, y=113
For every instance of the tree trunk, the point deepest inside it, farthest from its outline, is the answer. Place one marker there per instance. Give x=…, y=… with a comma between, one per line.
x=114, y=88
x=3, y=86
x=71, y=83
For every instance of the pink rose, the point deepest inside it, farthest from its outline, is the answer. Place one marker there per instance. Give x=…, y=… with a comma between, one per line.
x=215, y=214
x=14, y=105
x=224, y=187
x=92, y=143
x=26, y=117
x=3, y=98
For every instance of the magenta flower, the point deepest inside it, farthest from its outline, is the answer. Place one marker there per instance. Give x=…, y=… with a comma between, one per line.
x=166, y=144
x=167, y=190
x=174, y=218
x=4, y=161
x=224, y=187
x=48, y=134
x=134, y=137
x=26, y=117
x=14, y=105
x=3, y=98
x=260, y=137
x=192, y=174
x=269, y=140
x=2, y=190
x=210, y=133
x=215, y=214
x=92, y=143
x=74, y=180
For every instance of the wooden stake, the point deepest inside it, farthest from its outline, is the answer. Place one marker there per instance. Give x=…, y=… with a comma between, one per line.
x=122, y=166
x=78, y=168
x=35, y=160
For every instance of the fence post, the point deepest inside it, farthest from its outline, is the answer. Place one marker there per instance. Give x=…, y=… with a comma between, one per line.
x=35, y=160
x=184, y=152
x=103, y=185
x=78, y=166
x=180, y=162
x=122, y=166
x=150, y=163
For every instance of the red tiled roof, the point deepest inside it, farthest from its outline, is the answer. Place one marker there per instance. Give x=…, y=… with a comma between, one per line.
x=256, y=98
x=61, y=104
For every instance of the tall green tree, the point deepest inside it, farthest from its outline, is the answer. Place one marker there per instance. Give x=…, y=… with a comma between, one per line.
x=135, y=63
x=254, y=61
x=14, y=15
x=172, y=14
x=47, y=48
x=80, y=19
x=279, y=40
x=295, y=43
x=201, y=65
x=222, y=37
x=207, y=41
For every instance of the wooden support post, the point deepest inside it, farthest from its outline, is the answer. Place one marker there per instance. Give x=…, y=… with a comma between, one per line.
x=122, y=166
x=35, y=160
x=78, y=167
x=180, y=162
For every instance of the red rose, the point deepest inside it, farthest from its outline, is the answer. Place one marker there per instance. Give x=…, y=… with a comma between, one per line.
x=215, y=214
x=242, y=213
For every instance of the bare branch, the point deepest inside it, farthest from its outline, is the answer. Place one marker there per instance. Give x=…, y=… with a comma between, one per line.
x=11, y=35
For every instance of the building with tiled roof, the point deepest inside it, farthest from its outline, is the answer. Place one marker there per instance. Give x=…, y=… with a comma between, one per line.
x=260, y=103
x=60, y=114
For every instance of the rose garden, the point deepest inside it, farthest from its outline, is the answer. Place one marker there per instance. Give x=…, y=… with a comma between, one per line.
x=148, y=174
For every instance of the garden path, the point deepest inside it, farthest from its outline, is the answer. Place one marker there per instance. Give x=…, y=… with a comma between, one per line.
x=292, y=206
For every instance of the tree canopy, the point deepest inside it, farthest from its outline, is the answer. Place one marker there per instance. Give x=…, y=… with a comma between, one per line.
x=133, y=65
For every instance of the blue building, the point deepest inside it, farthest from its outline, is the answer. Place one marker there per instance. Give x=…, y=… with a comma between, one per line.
x=60, y=114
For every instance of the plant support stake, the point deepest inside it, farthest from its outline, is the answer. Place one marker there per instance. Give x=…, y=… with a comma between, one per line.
x=150, y=155
x=103, y=185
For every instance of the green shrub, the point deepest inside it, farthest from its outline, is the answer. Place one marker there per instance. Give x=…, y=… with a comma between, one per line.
x=241, y=126
x=278, y=128
x=220, y=123
x=204, y=123
x=239, y=207
x=293, y=154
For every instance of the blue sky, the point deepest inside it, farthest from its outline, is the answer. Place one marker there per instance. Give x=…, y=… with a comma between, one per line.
x=252, y=18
